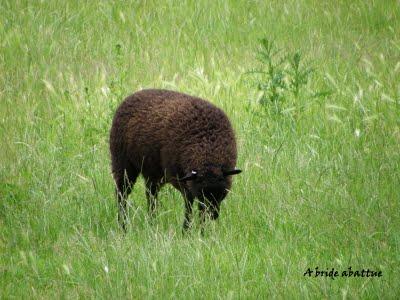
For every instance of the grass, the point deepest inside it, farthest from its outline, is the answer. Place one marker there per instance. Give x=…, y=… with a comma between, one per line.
x=320, y=186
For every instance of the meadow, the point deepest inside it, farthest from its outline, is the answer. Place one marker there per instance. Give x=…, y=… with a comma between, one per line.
x=320, y=181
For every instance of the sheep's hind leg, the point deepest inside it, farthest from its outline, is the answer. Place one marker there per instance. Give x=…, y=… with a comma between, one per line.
x=124, y=184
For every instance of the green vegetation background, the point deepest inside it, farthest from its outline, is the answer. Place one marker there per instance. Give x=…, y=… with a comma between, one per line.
x=321, y=178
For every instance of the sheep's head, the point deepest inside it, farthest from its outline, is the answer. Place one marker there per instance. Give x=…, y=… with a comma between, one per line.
x=210, y=185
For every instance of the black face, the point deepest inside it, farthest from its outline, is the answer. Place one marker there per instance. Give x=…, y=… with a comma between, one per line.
x=210, y=186
x=210, y=189
x=214, y=197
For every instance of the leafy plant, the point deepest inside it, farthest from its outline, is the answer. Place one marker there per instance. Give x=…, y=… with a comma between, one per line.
x=298, y=74
x=279, y=75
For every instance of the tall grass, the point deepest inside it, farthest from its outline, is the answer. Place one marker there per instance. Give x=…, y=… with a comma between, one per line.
x=320, y=186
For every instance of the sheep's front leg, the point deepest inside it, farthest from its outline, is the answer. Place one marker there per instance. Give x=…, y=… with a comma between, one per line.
x=203, y=212
x=188, y=211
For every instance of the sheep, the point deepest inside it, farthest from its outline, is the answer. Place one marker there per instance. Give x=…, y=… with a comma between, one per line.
x=171, y=137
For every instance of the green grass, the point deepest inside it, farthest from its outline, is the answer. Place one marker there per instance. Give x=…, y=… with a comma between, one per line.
x=321, y=180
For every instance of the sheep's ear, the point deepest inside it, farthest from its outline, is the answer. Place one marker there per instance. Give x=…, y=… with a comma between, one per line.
x=232, y=172
x=190, y=176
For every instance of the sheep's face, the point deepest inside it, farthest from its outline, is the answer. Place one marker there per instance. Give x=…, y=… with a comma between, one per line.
x=210, y=190
x=210, y=186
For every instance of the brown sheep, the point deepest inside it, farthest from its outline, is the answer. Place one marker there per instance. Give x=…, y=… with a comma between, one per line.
x=173, y=138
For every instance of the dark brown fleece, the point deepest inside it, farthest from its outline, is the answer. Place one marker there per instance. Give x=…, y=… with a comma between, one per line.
x=166, y=135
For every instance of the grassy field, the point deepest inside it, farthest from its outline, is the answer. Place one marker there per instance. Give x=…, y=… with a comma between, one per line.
x=320, y=182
